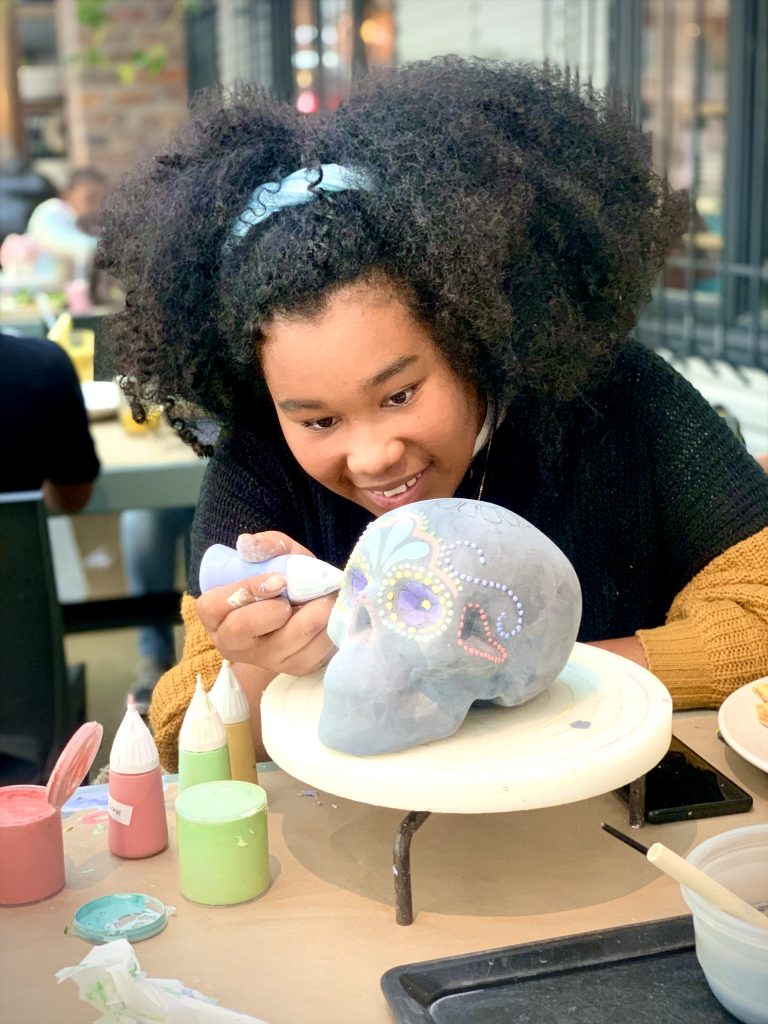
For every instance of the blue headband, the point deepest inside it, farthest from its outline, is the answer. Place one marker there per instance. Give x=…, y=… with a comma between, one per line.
x=296, y=189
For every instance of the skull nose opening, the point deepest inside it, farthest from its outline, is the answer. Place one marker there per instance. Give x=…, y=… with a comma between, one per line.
x=472, y=625
x=362, y=622
x=475, y=635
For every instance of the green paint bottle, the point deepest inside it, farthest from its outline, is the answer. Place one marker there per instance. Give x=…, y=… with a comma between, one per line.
x=203, y=749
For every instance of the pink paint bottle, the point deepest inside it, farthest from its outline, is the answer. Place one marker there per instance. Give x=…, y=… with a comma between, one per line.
x=137, y=824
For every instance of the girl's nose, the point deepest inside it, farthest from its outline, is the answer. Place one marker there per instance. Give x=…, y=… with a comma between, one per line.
x=373, y=454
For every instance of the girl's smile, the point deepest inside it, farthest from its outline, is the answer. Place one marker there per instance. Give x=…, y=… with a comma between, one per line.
x=367, y=403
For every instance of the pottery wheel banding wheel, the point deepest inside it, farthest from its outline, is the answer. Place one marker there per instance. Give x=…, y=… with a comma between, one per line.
x=603, y=723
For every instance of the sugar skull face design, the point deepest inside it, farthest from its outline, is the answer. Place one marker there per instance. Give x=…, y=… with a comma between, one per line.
x=443, y=603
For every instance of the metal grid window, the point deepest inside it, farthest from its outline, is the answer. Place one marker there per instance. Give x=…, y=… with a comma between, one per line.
x=700, y=89
x=243, y=33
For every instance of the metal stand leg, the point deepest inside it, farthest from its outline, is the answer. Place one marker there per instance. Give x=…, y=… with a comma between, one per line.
x=401, y=865
x=637, y=802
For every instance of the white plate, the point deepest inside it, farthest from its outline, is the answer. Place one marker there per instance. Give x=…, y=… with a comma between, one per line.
x=739, y=725
x=100, y=398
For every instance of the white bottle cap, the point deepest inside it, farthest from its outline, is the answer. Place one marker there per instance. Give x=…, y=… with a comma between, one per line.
x=133, y=749
x=228, y=698
x=202, y=729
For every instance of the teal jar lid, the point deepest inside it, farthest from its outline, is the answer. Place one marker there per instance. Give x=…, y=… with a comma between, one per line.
x=123, y=915
x=225, y=800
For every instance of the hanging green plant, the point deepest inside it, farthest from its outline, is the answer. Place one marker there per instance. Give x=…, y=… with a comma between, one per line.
x=94, y=17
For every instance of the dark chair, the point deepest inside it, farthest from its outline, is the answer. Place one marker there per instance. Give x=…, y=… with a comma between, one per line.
x=42, y=701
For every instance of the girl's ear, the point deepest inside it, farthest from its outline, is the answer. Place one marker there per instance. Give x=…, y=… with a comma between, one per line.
x=488, y=411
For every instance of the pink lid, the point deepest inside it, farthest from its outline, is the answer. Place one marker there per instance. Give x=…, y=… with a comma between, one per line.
x=73, y=764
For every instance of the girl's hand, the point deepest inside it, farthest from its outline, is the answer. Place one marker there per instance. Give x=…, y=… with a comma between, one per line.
x=253, y=622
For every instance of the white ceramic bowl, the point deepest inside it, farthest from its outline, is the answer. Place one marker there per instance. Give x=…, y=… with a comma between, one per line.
x=732, y=953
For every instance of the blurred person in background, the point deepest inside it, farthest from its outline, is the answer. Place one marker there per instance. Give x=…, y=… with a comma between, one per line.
x=64, y=232
x=149, y=541
x=21, y=189
x=64, y=229
x=44, y=423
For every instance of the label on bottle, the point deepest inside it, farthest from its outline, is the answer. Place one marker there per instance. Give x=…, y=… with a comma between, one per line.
x=120, y=812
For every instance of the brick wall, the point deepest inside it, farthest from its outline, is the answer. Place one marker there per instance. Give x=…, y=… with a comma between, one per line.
x=111, y=124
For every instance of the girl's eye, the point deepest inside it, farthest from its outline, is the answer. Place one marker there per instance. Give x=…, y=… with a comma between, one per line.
x=324, y=423
x=401, y=397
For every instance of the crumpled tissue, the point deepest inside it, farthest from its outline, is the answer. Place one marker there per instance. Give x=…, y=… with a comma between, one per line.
x=111, y=980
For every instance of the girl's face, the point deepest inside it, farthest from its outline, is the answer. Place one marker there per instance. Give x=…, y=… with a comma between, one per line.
x=367, y=403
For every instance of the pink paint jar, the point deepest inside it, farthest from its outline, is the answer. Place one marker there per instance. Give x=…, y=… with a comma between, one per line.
x=31, y=840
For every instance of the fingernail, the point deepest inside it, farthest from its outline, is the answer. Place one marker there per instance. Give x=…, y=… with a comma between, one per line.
x=240, y=598
x=251, y=550
x=273, y=584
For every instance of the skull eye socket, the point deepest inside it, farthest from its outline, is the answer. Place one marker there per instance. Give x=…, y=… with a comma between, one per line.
x=355, y=582
x=358, y=581
x=416, y=605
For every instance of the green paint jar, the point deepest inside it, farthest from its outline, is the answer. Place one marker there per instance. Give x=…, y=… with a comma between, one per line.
x=222, y=836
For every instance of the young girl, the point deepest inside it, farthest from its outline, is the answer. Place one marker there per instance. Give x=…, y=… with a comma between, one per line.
x=427, y=293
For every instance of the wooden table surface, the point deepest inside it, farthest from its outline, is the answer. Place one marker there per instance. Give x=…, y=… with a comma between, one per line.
x=152, y=469
x=313, y=948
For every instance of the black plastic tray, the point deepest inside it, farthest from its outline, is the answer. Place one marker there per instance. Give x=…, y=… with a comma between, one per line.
x=645, y=974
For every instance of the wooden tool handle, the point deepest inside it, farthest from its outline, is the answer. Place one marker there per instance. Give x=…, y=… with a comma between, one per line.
x=699, y=882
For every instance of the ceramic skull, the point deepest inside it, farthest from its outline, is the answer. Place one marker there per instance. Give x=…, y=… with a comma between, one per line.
x=443, y=603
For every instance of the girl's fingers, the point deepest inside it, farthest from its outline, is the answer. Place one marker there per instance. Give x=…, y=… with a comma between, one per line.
x=241, y=635
x=303, y=644
x=296, y=643
x=258, y=547
x=216, y=604
x=315, y=655
x=262, y=588
x=248, y=622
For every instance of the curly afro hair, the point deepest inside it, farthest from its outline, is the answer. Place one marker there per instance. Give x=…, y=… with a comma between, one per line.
x=515, y=211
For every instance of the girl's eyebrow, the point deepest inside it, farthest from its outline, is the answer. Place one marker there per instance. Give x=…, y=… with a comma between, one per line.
x=301, y=405
x=313, y=405
x=389, y=371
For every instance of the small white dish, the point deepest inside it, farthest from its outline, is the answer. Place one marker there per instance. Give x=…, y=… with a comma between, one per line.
x=101, y=398
x=733, y=954
x=740, y=727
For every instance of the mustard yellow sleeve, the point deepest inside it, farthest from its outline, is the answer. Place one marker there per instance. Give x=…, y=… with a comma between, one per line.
x=173, y=691
x=716, y=635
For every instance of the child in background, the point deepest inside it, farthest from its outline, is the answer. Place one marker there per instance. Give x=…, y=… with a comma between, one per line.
x=431, y=292
x=64, y=229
